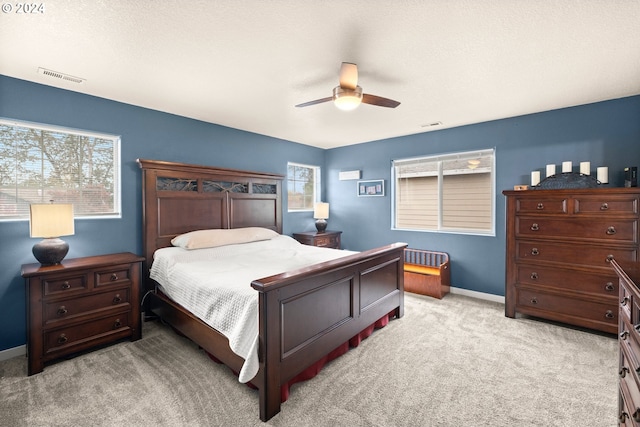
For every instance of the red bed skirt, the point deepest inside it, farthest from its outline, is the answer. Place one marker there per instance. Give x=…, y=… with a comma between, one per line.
x=315, y=368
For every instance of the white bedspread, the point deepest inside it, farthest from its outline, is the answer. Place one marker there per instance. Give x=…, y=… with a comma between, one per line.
x=215, y=285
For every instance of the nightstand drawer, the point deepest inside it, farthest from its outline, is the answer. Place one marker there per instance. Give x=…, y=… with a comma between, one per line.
x=63, y=338
x=65, y=284
x=324, y=239
x=116, y=275
x=65, y=310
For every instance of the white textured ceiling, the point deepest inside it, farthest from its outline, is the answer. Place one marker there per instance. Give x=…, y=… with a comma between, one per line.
x=246, y=63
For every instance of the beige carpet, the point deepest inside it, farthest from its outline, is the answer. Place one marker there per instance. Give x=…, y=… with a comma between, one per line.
x=451, y=362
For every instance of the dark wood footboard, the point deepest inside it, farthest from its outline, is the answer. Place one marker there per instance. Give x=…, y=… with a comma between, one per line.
x=306, y=313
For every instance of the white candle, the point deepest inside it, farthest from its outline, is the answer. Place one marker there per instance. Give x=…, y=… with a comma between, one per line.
x=566, y=167
x=535, y=178
x=551, y=170
x=585, y=168
x=603, y=174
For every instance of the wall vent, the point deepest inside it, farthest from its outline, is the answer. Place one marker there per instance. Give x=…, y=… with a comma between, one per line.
x=61, y=76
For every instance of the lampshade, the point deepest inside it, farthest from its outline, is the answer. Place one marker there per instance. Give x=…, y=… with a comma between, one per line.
x=321, y=210
x=51, y=220
x=347, y=99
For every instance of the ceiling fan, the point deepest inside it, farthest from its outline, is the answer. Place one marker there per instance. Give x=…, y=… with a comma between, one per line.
x=349, y=95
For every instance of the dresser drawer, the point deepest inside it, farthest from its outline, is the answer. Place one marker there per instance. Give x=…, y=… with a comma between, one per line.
x=65, y=284
x=613, y=230
x=542, y=205
x=66, y=310
x=606, y=205
x=63, y=338
x=115, y=275
x=559, y=307
x=629, y=388
x=573, y=254
x=605, y=285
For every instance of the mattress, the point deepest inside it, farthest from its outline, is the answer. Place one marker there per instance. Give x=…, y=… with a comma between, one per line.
x=215, y=285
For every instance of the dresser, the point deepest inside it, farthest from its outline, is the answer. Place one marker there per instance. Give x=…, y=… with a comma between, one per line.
x=629, y=343
x=79, y=304
x=325, y=239
x=560, y=244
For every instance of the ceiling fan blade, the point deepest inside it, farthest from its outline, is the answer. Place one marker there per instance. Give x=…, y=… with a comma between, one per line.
x=348, y=75
x=379, y=101
x=317, y=101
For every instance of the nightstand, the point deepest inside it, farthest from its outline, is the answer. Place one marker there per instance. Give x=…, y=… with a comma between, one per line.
x=325, y=239
x=79, y=304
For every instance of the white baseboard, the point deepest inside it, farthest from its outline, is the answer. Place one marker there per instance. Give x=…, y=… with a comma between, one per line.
x=10, y=353
x=476, y=294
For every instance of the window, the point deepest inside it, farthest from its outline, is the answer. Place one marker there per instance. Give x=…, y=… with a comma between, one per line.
x=452, y=193
x=40, y=163
x=303, y=186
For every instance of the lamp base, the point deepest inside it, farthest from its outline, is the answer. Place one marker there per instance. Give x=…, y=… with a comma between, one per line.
x=50, y=251
x=321, y=225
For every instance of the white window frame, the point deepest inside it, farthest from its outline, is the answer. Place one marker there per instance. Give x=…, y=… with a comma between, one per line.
x=317, y=179
x=488, y=154
x=116, y=212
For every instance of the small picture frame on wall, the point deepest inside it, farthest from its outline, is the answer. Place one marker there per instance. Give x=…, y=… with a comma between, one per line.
x=371, y=188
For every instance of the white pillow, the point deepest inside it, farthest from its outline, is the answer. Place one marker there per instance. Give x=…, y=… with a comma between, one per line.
x=219, y=237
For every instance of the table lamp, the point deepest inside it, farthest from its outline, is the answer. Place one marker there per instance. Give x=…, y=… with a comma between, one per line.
x=50, y=221
x=321, y=213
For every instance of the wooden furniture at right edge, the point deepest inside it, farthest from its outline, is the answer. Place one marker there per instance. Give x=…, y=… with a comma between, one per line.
x=560, y=244
x=629, y=343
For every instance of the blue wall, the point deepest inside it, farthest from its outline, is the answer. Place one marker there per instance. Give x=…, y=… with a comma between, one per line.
x=606, y=133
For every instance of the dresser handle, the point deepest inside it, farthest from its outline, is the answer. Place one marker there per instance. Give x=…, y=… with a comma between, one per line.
x=623, y=372
x=534, y=300
x=534, y=276
x=611, y=231
x=609, y=287
x=624, y=301
x=113, y=277
x=65, y=285
x=609, y=258
x=623, y=416
x=62, y=310
x=535, y=251
x=540, y=206
x=117, y=299
x=636, y=415
x=609, y=314
x=624, y=334
x=62, y=339
x=117, y=324
x=604, y=207
x=535, y=227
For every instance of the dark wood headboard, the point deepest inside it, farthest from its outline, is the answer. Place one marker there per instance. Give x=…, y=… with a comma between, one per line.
x=178, y=198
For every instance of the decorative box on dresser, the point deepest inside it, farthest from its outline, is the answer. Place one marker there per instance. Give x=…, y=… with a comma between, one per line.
x=79, y=304
x=325, y=239
x=629, y=343
x=560, y=244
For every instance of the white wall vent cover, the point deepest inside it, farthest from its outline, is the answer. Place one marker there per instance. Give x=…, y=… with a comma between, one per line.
x=61, y=76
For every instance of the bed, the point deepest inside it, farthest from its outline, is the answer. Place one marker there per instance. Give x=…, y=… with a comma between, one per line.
x=346, y=295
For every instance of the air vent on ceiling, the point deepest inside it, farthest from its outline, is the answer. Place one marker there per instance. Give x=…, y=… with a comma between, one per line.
x=61, y=76
x=428, y=125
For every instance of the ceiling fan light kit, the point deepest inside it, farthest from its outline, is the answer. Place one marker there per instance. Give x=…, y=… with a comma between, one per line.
x=347, y=99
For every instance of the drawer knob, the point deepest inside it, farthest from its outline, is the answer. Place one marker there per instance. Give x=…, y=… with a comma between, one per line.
x=623, y=372
x=117, y=299
x=540, y=206
x=534, y=275
x=624, y=301
x=62, y=310
x=535, y=251
x=611, y=230
x=66, y=285
x=609, y=314
x=604, y=207
x=534, y=300
x=535, y=227
x=609, y=287
x=113, y=277
x=62, y=339
x=609, y=258
x=624, y=334
x=117, y=324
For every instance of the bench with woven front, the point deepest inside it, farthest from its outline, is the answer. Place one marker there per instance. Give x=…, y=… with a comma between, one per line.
x=426, y=272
